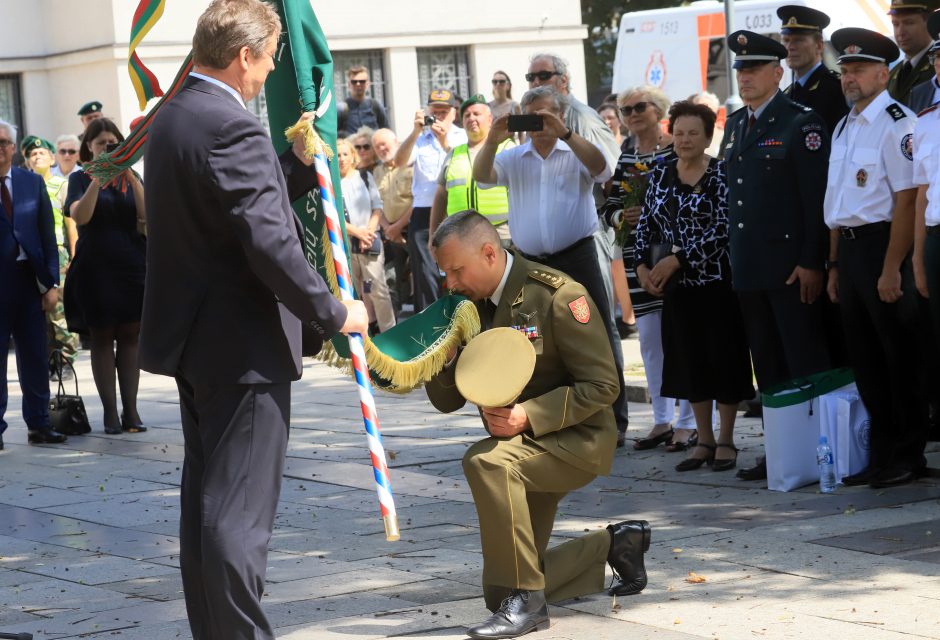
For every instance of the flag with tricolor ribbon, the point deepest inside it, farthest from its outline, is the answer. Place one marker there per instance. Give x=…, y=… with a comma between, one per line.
x=145, y=83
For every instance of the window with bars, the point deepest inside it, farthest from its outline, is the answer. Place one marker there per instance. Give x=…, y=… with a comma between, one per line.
x=444, y=68
x=371, y=59
x=11, y=101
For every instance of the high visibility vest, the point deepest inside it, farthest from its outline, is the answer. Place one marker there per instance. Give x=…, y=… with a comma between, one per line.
x=56, y=187
x=462, y=191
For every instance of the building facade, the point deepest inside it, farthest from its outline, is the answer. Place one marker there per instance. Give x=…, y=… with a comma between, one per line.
x=57, y=55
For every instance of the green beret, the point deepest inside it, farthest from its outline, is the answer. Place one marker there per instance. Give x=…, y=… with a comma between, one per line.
x=35, y=142
x=475, y=99
x=89, y=108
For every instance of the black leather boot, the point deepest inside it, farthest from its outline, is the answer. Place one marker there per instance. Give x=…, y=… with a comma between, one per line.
x=522, y=612
x=629, y=540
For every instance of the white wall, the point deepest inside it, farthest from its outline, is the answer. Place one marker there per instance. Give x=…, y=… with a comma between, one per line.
x=80, y=54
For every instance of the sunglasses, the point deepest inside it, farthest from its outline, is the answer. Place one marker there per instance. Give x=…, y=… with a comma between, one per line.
x=362, y=147
x=637, y=108
x=541, y=75
x=67, y=152
x=358, y=82
x=499, y=81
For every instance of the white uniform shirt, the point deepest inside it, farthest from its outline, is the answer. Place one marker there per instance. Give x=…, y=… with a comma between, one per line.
x=428, y=157
x=927, y=162
x=871, y=160
x=360, y=199
x=551, y=201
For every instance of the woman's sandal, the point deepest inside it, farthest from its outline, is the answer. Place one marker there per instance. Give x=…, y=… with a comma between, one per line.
x=653, y=441
x=129, y=427
x=690, y=464
x=727, y=463
x=674, y=446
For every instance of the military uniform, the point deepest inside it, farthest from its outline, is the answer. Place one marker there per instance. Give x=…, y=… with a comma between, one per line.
x=776, y=183
x=518, y=482
x=905, y=75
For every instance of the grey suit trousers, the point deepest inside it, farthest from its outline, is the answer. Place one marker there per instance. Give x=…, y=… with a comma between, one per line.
x=235, y=438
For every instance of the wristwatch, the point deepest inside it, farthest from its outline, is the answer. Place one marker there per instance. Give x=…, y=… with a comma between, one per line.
x=567, y=136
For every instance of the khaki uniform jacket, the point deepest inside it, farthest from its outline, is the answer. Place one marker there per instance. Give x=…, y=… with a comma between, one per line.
x=923, y=72
x=568, y=400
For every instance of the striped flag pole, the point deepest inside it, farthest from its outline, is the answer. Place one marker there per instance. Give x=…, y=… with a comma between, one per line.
x=370, y=416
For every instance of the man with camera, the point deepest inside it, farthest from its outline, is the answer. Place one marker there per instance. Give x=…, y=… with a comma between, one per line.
x=433, y=136
x=456, y=188
x=550, y=180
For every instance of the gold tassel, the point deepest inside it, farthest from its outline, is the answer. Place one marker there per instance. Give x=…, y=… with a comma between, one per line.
x=313, y=143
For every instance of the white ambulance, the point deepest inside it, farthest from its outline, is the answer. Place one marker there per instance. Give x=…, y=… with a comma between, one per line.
x=682, y=50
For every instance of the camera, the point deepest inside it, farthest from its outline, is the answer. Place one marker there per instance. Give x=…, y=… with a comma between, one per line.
x=111, y=147
x=429, y=120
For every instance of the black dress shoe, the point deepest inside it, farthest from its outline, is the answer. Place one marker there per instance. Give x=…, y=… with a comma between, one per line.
x=858, y=479
x=46, y=436
x=520, y=613
x=629, y=540
x=129, y=427
x=652, y=442
x=757, y=472
x=891, y=478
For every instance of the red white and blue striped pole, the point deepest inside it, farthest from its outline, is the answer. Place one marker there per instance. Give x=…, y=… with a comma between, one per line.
x=370, y=417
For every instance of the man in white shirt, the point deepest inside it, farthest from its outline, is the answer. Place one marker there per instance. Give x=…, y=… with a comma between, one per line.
x=869, y=207
x=552, y=217
x=432, y=137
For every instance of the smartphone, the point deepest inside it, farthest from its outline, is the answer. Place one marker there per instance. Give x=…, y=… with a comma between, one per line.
x=528, y=122
x=111, y=146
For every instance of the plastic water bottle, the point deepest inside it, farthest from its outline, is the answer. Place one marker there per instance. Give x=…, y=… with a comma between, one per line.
x=827, y=471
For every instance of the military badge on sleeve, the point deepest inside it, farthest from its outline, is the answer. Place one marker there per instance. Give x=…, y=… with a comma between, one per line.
x=580, y=310
x=907, y=146
x=813, y=141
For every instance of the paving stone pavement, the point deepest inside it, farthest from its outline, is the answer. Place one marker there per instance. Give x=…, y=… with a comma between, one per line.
x=89, y=546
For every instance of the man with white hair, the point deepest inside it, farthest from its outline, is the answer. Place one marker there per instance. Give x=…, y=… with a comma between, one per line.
x=66, y=155
x=548, y=69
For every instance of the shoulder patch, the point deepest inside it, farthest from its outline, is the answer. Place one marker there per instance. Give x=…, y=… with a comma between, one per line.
x=895, y=111
x=929, y=109
x=551, y=279
x=907, y=146
x=580, y=309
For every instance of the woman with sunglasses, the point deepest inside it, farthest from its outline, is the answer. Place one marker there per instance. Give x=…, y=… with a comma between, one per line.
x=502, y=102
x=641, y=110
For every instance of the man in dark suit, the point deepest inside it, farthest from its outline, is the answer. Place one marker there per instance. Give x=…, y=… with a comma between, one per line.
x=224, y=251
x=29, y=275
x=927, y=94
x=909, y=21
x=777, y=154
x=814, y=84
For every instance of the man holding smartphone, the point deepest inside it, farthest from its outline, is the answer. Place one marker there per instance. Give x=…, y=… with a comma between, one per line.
x=432, y=137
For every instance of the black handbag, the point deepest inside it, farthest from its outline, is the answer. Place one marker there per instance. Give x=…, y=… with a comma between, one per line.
x=66, y=412
x=661, y=250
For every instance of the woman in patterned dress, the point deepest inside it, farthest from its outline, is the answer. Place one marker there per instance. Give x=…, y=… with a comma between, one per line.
x=705, y=351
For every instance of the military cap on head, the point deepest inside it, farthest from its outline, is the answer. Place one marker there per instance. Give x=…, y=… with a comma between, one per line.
x=35, y=142
x=798, y=19
x=89, y=108
x=752, y=49
x=478, y=98
x=933, y=25
x=911, y=6
x=495, y=367
x=443, y=96
x=854, y=44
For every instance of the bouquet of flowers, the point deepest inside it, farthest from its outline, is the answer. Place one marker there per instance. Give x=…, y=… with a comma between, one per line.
x=633, y=186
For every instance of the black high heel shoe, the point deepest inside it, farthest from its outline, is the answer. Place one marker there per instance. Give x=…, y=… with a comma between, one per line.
x=690, y=464
x=129, y=427
x=653, y=441
x=728, y=463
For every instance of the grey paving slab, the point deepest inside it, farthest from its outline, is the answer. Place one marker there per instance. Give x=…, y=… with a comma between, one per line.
x=889, y=540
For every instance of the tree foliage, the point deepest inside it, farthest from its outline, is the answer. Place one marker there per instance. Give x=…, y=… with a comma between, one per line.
x=602, y=18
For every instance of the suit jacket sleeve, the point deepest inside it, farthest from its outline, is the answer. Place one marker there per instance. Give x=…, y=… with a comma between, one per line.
x=585, y=351
x=812, y=168
x=245, y=175
x=50, y=253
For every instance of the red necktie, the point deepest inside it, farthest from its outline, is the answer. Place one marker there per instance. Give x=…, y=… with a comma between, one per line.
x=751, y=122
x=6, y=198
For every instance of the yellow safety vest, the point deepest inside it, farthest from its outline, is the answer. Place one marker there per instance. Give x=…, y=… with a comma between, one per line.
x=54, y=187
x=462, y=191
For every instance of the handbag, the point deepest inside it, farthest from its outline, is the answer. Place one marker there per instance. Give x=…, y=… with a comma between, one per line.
x=659, y=251
x=66, y=412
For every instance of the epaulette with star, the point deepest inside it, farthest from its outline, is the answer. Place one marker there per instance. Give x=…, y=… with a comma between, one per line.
x=551, y=279
x=895, y=111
